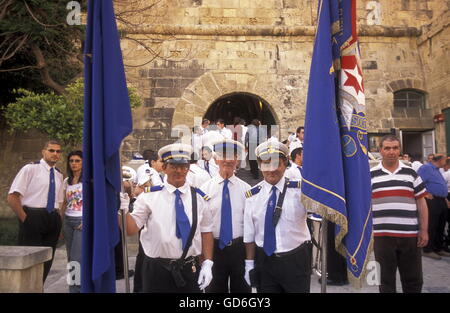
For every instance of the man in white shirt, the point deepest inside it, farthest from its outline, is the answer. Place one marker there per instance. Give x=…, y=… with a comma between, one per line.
x=225, y=132
x=298, y=141
x=178, y=228
x=295, y=171
x=227, y=204
x=277, y=239
x=208, y=163
x=151, y=170
x=35, y=196
x=196, y=176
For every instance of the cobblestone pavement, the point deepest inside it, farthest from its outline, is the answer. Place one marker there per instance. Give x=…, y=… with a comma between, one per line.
x=436, y=276
x=436, y=273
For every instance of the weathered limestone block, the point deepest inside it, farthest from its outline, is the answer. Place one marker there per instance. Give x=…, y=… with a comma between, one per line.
x=21, y=268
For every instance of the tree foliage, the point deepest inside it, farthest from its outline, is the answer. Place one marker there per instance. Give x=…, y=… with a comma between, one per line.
x=58, y=116
x=36, y=39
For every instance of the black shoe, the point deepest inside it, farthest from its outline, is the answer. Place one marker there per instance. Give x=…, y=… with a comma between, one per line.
x=334, y=282
x=122, y=276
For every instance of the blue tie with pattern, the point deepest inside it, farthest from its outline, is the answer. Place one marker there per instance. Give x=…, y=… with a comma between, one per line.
x=51, y=191
x=182, y=221
x=226, y=230
x=301, y=170
x=207, y=167
x=270, y=241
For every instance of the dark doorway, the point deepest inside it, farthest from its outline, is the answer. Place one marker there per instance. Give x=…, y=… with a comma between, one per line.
x=243, y=105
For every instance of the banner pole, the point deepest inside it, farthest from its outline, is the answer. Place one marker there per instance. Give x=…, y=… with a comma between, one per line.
x=323, y=249
x=123, y=232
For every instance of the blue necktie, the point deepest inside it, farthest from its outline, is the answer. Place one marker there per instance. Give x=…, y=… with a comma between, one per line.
x=300, y=169
x=226, y=230
x=270, y=241
x=51, y=191
x=207, y=167
x=183, y=226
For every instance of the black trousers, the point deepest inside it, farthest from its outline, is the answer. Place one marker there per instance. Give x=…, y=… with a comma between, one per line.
x=118, y=256
x=288, y=273
x=137, y=282
x=42, y=229
x=229, y=264
x=402, y=253
x=157, y=278
x=437, y=216
x=336, y=263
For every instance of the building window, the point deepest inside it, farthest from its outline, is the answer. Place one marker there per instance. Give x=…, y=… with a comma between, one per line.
x=408, y=98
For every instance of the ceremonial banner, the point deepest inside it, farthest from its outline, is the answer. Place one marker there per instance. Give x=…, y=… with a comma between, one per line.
x=336, y=176
x=107, y=120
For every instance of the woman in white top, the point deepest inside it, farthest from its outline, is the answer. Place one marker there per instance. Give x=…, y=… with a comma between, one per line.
x=72, y=213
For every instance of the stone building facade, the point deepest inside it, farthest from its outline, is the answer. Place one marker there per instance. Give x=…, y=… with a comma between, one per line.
x=191, y=59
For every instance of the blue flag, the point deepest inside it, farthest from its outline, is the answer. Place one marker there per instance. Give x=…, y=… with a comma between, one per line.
x=107, y=120
x=338, y=187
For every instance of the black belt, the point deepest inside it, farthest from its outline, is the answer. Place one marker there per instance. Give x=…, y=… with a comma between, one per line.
x=290, y=252
x=39, y=209
x=232, y=242
x=166, y=261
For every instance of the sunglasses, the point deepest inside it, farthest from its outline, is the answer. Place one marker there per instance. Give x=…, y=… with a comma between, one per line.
x=53, y=151
x=74, y=161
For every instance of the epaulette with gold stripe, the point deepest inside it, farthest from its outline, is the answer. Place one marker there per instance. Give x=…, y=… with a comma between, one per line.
x=154, y=188
x=253, y=191
x=202, y=194
x=294, y=184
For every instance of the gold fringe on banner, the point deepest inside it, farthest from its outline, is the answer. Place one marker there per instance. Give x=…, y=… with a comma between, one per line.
x=338, y=218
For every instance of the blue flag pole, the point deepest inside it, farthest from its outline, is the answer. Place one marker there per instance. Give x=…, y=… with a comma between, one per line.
x=338, y=188
x=107, y=121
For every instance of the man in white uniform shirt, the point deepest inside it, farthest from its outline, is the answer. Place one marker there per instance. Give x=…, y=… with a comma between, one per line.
x=277, y=239
x=35, y=196
x=178, y=228
x=151, y=170
x=207, y=162
x=295, y=171
x=225, y=132
x=196, y=176
x=298, y=141
x=227, y=203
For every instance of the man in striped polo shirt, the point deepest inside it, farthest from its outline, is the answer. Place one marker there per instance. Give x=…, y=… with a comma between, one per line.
x=400, y=219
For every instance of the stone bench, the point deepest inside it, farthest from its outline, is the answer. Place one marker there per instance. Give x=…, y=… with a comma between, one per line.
x=22, y=268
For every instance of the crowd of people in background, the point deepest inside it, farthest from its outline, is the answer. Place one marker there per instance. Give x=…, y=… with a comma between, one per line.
x=45, y=203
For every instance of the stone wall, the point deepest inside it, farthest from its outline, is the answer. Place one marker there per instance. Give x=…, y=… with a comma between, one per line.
x=205, y=49
x=196, y=51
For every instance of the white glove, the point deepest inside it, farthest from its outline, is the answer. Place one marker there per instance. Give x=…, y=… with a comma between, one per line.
x=124, y=202
x=249, y=265
x=205, y=276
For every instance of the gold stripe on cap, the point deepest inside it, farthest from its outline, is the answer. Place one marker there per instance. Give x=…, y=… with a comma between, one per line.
x=270, y=151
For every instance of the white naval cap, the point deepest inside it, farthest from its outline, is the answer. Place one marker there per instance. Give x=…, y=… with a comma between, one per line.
x=128, y=173
x=271, y=147
x=228, y=147
x=176, y=153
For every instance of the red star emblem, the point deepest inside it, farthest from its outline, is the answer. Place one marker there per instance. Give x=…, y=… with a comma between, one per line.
x=353, y=73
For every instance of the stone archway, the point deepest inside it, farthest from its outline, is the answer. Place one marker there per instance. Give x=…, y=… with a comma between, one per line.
x=212, y=86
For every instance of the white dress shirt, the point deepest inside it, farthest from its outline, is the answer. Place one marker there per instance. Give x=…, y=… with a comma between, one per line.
x=213, y=167
x=33, y=181
x=156, y=210
x=291, y=230
x=237, y=189
x=197, y=176
x=293, y=173
x=226, y=133
x=145, y=170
